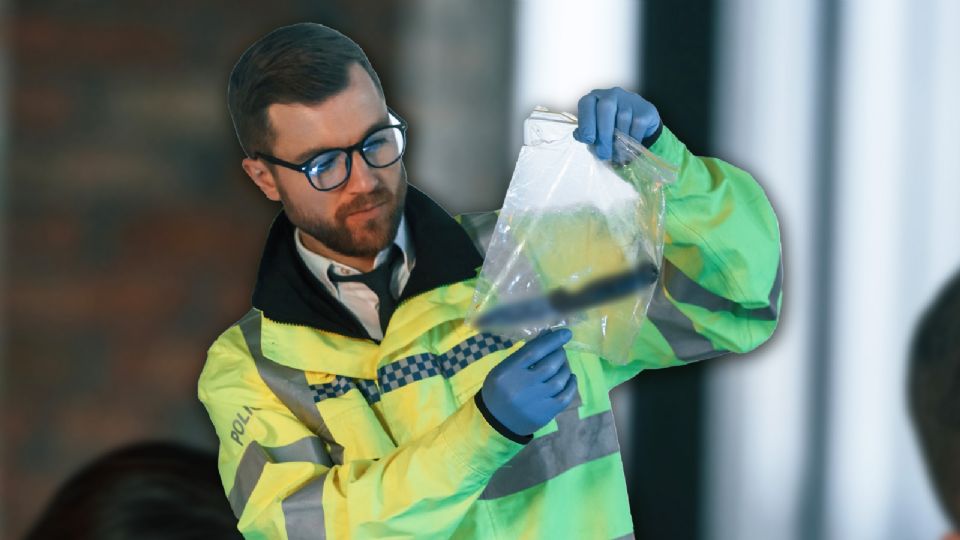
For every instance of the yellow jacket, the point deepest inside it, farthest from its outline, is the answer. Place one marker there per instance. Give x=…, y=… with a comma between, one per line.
x=325, y=432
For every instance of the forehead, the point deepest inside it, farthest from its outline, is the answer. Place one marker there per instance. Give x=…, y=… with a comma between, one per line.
x=340, y=120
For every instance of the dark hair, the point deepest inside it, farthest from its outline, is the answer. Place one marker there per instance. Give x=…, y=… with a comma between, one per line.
x=301, y=63
x=147, y=491
x=934, y=394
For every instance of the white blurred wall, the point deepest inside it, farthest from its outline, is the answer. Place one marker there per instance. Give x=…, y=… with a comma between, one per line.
x=565, y=48
x=776, y=457
x=766, y=123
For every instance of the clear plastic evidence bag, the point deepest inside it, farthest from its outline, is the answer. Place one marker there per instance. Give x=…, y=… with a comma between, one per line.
x=578, y=242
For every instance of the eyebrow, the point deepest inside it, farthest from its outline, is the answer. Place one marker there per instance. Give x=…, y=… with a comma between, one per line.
x=307, y=154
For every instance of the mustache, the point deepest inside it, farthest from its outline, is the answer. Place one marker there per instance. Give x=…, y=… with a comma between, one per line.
x=374, y=198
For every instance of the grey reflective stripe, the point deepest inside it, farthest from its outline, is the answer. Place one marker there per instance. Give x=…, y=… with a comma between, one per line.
x=249, y=469
x=625, y=537
x=675, y=327
x=288, y=384
x=303, y=511
x=479, y=227
x=576, y=441
x=255, y=457
x=683, y=289
x=308, y=449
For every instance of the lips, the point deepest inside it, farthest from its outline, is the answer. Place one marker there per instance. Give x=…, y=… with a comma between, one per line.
x=365, y=205
x=367, y=209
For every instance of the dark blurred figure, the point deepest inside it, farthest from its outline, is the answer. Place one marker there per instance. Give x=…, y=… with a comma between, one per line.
x=146, y=491
x=934, y=394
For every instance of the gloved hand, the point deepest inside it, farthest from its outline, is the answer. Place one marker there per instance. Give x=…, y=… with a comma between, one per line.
x=532, y=385
x=600, y=111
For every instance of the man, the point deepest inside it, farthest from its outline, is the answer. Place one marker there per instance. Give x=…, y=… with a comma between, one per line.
x=353, y=401
x=934, y=396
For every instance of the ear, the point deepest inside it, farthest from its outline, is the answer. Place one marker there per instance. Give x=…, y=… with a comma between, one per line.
x=262, y=176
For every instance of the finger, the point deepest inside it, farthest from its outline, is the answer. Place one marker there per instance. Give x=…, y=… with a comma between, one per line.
x=586, y=132
x=569, y=391
x=549, y=365
x=541, y=346
x=606, y=117
x=624, y=119
x=643, y=125
x=558, y=381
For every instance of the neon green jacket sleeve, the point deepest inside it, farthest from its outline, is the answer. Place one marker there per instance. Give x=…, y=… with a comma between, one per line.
x=720, y=286
x=284, y=482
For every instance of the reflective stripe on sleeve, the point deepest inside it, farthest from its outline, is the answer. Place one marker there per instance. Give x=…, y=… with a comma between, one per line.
x=289, y=385
x=678, y=330
x=576, y=441
x=255, y=458
x=251, y=465
x=683, y=289
x=303, y=511
x=675, y=327
x=309, y=449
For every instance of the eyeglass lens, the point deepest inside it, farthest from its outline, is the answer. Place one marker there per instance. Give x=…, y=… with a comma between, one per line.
x=380, y=149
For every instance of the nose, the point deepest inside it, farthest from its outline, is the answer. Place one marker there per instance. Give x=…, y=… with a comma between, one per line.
x=362, y=178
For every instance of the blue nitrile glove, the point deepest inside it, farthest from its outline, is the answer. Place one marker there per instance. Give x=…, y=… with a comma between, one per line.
x=600, y=111
x=532, y=385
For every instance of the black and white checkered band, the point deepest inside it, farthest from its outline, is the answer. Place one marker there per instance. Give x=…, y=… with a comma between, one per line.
x=469, y=351
x=414, y=368
x=341, y=385
x=406, y=370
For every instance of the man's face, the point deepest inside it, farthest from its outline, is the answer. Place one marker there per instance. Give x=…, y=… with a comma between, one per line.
x=361, y=217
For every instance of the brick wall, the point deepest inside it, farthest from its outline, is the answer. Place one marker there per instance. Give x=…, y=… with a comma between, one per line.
x=132, y=234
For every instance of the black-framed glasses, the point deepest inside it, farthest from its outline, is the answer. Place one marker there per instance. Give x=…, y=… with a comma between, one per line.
x=330, y=169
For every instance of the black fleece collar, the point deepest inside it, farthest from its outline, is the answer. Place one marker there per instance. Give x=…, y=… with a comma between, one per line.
x=287, y=292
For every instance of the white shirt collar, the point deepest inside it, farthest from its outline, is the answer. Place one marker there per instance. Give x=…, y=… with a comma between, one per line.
x=319, y=265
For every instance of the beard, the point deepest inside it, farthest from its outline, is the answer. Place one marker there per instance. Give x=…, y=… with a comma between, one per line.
x=365, y=239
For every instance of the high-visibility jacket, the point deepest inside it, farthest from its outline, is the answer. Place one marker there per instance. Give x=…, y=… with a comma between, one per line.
x=325, y=432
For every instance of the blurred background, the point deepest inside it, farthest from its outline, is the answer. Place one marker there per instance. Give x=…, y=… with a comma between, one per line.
x=130, y=235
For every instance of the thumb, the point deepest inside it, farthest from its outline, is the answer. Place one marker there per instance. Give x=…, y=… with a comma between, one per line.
x=539, y=347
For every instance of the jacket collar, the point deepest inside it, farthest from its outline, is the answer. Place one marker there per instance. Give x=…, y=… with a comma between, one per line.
x=287, y=292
